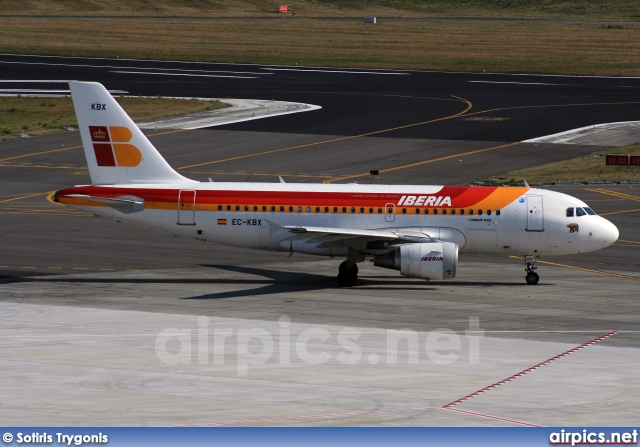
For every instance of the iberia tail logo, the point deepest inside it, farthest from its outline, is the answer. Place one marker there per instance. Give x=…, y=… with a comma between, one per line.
x=111, y=148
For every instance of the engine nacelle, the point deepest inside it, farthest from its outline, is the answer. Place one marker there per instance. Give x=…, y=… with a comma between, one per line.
x=429, y=260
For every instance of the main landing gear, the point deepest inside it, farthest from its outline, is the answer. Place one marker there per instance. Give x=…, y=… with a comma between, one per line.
x=347, y=274
x=532, y=277
x=348, y=270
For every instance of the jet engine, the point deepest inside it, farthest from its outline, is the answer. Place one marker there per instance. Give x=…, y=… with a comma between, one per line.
x=430, y=260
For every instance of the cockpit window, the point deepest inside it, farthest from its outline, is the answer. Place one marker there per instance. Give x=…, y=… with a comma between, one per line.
x=590, y=211
x=569, y=212
x=580, y=212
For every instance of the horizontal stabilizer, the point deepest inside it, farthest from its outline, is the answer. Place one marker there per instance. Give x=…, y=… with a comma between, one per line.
x=125, y=204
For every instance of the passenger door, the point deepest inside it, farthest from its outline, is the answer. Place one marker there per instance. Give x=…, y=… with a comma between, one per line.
x=535, y=213
x=187, y=207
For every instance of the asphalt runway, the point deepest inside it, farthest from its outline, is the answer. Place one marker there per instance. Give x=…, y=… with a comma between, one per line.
x=496, y=107
x=88, y=298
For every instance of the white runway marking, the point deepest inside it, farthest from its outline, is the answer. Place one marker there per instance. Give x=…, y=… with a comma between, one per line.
x=16, y=81
x=512, y=82
x=42, y=91
x=241, y=110
x=596, y=134
x=184, y=74
x=32, y=91
x=127, y=68
x=320, y=70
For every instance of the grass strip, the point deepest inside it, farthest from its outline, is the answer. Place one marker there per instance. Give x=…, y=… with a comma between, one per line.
x=46, y=115
x=582, y=169
x=617, y=10
x=511, y=47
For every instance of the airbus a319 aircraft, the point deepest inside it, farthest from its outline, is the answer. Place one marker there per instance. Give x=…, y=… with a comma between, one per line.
x=418, y=230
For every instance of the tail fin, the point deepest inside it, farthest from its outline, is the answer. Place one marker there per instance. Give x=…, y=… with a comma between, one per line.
x=116, y=149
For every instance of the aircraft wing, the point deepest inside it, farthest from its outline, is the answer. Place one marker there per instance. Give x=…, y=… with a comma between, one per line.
x=126, y=204
x=326, y=235
x=359, y=239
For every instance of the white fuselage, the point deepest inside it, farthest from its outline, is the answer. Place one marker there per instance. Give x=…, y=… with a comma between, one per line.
x=535, y=221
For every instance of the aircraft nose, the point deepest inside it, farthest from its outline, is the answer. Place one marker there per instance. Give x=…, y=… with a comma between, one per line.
x=609, y=233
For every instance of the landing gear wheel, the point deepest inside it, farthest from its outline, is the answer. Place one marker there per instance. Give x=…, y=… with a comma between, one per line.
x=347, y=277
x=532, y=278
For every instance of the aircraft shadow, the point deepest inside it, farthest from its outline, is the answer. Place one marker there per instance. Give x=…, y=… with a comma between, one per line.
x=274, y=282
x=280, y=282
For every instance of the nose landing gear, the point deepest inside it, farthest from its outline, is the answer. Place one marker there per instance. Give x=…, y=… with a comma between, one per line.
x=532, y=277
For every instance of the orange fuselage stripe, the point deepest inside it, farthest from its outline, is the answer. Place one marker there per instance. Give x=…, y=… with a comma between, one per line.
x=219, y=200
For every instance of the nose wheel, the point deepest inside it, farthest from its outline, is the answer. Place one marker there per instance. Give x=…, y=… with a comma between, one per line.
x=532, y=277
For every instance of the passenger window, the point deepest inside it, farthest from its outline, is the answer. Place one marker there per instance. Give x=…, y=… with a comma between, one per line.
x=246, y=207
x=435, y=211
x=444, y=211
x=426, y=210
x=237, y=207
x=379, y=210
x=569, y=212
x=590, y=211
x=390, y=211
x=344, y=209
x=417, y=210
x=370, y=210
x=255, y=207
x=453, y=211
x=273, y=207
x=335, y=209
x=479, y=212
x=470, y=212
x=488, y=212
x=326, y=209
x=497, y=212
x=580, y=212
x=317, y=209
x=404, y=211
x=228, y=207
x=282, y=209
x=353, y=209
x=361, y=210
x=264, y=207
x=461, y=212
x=290, y=209
x=219, y=207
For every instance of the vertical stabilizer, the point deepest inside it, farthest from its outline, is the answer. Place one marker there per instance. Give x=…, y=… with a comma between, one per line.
x=116, y=149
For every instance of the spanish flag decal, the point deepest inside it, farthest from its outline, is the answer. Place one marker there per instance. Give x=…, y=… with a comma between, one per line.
x=222, y=221
x=111, y=148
